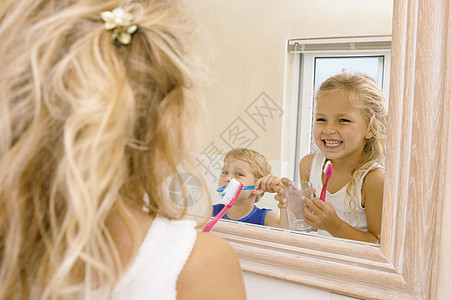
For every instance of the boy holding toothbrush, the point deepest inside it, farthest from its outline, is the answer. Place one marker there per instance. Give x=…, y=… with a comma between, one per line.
x=250, y=168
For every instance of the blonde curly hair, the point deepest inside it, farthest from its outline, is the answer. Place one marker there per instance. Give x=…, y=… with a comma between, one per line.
x=87, y=126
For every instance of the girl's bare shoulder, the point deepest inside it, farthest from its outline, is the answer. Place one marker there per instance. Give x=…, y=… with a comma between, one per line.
x=374, y=181
x=305, y=165
x=214, y=263
x=375, y=177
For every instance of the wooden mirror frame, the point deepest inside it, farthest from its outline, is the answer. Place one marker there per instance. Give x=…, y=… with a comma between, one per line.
x=405, y=264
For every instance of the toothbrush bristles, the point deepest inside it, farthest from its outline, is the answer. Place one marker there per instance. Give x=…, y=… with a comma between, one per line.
x=231, y=192
x=328, y=167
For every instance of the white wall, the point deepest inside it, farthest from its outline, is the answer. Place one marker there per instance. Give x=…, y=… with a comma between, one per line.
x=264, y=288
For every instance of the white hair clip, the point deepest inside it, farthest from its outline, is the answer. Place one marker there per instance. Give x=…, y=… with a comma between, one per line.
x=121, y=23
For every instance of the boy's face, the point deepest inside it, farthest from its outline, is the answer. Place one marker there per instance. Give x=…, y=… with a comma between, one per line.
x=238, y=170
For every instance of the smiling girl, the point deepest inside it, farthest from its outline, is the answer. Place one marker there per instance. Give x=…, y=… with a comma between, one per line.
x=349, y=131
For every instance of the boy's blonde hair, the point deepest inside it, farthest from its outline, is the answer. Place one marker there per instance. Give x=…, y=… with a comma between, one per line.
x=365, y=95
x=87, y=126
x=258, y=162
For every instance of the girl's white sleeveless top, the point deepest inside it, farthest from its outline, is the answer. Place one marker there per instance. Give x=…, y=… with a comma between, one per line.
x=160, y=259
x=340, y=200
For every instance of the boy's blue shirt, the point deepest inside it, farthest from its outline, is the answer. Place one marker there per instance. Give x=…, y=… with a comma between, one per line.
x=256, y=216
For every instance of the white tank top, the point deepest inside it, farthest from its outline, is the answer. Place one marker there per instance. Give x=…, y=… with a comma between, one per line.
x=340, y=200
x=160, y=259
x=157, y=265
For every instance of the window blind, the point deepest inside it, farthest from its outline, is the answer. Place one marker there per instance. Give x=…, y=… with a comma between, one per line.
x=368, y=43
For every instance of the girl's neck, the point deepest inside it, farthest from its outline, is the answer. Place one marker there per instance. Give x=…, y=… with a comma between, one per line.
x=342, y=172
x=348, y=163
x=120, y=230
x=340, y=166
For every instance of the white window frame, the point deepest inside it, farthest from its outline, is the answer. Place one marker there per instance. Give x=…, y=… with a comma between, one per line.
x=304, y=52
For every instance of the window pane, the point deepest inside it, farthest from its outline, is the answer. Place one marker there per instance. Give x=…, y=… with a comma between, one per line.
x=328, y=66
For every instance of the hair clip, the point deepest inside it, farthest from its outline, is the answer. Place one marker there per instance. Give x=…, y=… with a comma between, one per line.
x=121, y=23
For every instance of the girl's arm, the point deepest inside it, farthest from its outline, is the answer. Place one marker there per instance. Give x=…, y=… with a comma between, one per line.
x=372, y=198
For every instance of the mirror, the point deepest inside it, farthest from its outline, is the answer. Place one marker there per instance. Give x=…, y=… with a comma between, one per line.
x=404, y=266
x=252, y=96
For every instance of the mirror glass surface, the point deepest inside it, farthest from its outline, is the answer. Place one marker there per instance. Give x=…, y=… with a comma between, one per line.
x=254, y=97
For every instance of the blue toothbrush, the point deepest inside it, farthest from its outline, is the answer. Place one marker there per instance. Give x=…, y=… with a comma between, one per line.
x=249, y=187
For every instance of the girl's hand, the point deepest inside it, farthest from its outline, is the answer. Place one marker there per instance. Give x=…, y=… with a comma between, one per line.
x=268, y=183
x=320, y=214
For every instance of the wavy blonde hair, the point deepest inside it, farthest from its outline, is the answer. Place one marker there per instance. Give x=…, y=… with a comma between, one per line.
x=365, y=95
x=87, y=125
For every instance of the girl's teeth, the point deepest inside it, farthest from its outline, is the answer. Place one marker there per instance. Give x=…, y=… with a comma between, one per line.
x=332, y=143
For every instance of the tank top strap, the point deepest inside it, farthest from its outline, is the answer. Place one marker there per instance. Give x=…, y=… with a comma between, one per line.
x=363, y=173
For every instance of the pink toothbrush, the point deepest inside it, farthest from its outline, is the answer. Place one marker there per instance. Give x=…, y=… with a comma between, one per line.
x=328, y=174
x=228, y=197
